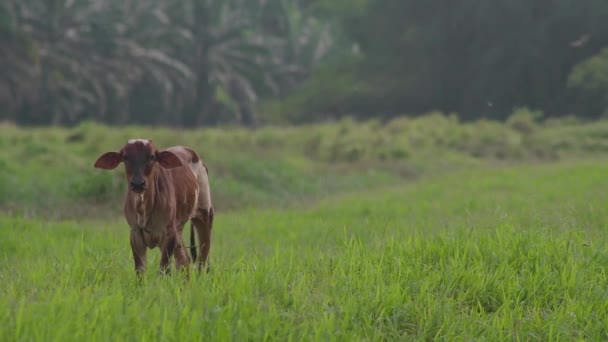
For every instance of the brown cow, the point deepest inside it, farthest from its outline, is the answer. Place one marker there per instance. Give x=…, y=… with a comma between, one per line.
x=166, y=189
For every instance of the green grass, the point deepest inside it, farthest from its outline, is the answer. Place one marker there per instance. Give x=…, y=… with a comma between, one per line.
x=49, y=170
x=516, y=253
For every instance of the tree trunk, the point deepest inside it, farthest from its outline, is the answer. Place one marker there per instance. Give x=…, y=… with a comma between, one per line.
x=47, y=111
x=199, y=108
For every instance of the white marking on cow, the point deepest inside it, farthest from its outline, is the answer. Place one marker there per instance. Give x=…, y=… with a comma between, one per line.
x=140, y=211
x=195, y=206
x=135, y=141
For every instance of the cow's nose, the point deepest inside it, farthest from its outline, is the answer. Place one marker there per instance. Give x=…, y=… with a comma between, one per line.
x=138, y=186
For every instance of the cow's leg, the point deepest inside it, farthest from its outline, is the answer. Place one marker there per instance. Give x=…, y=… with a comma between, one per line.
x=181, y=256
x=203, y=222
x=166, y=249
x=138, y=247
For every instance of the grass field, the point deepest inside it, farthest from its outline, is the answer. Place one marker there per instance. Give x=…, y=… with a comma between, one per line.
x=510, y=253
x=50, y=170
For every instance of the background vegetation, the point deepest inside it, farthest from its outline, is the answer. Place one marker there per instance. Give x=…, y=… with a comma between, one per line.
x=48, y=171
x=417, y=170
x=205, y=62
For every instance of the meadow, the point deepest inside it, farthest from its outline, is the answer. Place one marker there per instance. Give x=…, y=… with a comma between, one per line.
x=499, y=238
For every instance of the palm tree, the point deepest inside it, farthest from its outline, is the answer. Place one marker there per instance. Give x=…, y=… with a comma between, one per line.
x=90, y=56
x=241, y=50
x=150, y=61
x=18, y=76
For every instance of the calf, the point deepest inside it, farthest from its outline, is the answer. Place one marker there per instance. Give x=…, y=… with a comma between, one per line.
x=166, y=189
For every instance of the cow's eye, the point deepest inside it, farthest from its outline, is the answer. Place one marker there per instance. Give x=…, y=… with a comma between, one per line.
x=151, y=157
x=124, y=157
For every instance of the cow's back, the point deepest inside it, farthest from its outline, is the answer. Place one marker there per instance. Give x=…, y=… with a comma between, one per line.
x=196, y=167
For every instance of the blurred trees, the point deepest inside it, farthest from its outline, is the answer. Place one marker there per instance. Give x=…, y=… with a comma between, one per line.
x=474, y=57
x=203, y=62
x=178, y=62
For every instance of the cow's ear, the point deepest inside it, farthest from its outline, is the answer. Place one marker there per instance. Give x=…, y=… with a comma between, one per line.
x=168, y=160
x=108, y=160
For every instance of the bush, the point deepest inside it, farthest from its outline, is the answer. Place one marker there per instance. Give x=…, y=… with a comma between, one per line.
x=93, y=185
x=270, y=165
x=588, y=82
x=524, y=120
x=5, y=181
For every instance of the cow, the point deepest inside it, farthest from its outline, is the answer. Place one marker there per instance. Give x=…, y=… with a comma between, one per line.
x=166, y=188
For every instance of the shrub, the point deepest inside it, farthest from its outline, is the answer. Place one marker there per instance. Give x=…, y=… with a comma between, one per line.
x=5, y=181
x=93, y=184
x=524, y=120
x=588, y=82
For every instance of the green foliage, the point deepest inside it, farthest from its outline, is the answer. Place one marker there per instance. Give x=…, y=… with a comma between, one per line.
x=5, y=181
x=49, y=169
x=7, y=20
x=333, y=88
x=89, y=185
x=153, y=62
x=524, y=120
x=589, y=80
x=214, y=62
x=516, y=253
x=477, y=58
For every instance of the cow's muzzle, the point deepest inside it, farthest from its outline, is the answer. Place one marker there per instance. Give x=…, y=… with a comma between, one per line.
x=138, y=186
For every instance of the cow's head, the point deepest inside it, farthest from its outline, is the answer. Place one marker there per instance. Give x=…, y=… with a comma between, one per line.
x=139, y=156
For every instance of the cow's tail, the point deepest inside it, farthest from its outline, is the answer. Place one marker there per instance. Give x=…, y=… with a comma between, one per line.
x=192, y=242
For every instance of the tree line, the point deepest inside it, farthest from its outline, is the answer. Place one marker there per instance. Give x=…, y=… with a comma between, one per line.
x=206, y=62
